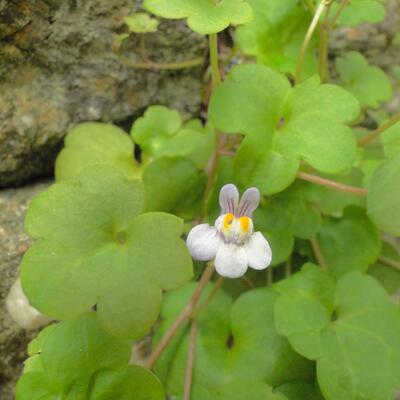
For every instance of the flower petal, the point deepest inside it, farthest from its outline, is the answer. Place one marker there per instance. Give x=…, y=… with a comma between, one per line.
x=258, y=251
x=248, y=203
x=231, y=261
x=203, y=242
x=228, y=198
x=21, y=311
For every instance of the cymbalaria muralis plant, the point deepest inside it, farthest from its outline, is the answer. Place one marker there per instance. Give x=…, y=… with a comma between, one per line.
x=115, y=235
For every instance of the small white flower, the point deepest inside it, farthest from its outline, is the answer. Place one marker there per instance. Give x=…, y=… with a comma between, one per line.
x=231, y=242
x=21, y=311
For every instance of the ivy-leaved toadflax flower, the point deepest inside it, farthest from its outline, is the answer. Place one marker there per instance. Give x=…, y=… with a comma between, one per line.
x=231, y=242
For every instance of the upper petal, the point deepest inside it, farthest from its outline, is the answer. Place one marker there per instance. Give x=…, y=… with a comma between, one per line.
x=231, y=261
x=248, y=203
x=258, y=251
x=203, y=242
x=228, y=198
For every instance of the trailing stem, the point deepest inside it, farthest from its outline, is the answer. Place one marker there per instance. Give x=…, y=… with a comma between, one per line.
x=374, y=134
x=342, y=6
x=307, y=39
x=323, y=69
x=318, y=253
x=390, y=262
x=195, y=62
x=190, y=361
x=341, y=187
x=218, y=138
x=182, y=317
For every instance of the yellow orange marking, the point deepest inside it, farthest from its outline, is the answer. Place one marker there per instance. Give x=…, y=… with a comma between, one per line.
x=228, y=219
x=244, y=223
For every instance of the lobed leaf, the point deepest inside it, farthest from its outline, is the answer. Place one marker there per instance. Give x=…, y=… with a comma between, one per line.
x=141, y=23
x=72, y=364
x=286, y=215
x=235, y=343
x=94, y=143
x=369, y=84
x=359, y=11
x=174, y=185
x=161, y=133
x=383, y=200
x=94, y=247
x=203, y=16
x=388, y=276
x=349, y=243
x=284, y=125
x=276, y=34
x=355, y=332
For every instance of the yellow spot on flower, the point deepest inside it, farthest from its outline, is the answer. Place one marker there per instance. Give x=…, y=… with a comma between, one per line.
x=228, y=219
x=244, y=223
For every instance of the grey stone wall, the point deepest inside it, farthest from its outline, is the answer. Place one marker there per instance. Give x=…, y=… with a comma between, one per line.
x=61, y=63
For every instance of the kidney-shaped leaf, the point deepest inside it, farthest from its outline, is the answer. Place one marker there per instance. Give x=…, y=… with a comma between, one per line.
x=349, y=243
x=203, y=16
x=276, y=34
x=283, y=125
x=94, y=247
x=368, y=83
x=78, y=360
x=234, y=342
x=356, y=332
x=94, y=143
x=383, y=201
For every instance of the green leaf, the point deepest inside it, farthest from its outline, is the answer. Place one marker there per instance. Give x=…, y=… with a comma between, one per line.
x=361, y=351
x=203, y=16
x=300, y=390
x=333, y=202
x=312, y=291
x=390, y=139
x=93, y=246
x=250, y=101
x=141, y=23
x=160, y=133
x=94, y=143
x=158, y=121
x=272, y=220
x=75, y=366
x=359, y=11
x=356, y=333
x=286, y=215
x=174, y=185
x=369, y=84
x=238, y=390
x=234, y=342
x=276, y=34
x=284, y=125
x=383, y=200
x=387, y=276
x=349, y=243
x=130, y=383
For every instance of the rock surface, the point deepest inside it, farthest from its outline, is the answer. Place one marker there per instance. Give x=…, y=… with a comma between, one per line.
x=13, y=244
x=61, y=63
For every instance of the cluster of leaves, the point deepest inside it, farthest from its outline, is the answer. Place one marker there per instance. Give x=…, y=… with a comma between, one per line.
x=78, y=360
x=108, y=257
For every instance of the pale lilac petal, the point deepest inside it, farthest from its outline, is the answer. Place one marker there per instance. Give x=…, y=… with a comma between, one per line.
x=228, y=198
x=203, y=241
x=259, y=254
x=231, y=261
x=21, y=311
x=248, y=203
